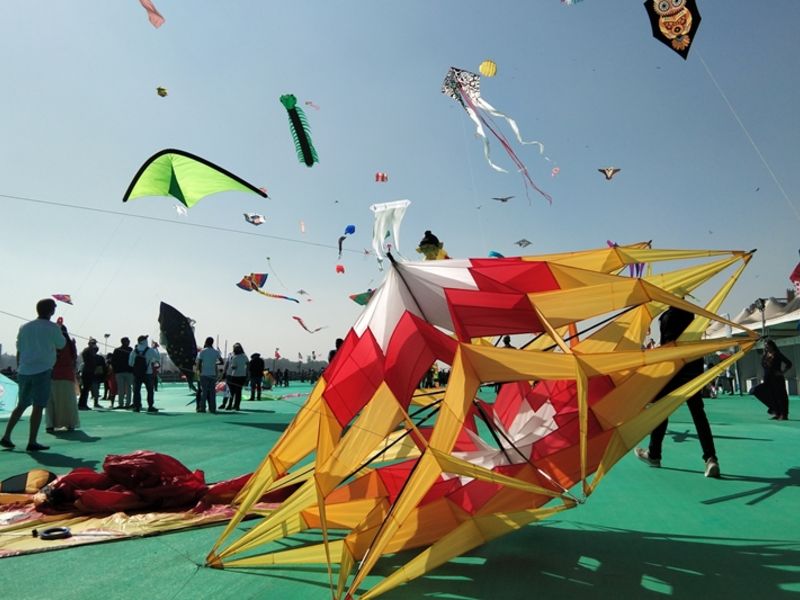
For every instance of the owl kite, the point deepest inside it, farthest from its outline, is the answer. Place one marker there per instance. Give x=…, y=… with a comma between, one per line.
x=674, y=23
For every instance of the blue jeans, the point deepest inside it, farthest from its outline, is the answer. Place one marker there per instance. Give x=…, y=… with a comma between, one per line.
x=208, y=394
x=147, y=380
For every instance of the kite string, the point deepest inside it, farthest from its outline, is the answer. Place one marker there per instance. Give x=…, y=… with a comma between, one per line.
x=748, y=136
x=171, y=221
x=275, y=275
x=109, y=280
x=474, y=185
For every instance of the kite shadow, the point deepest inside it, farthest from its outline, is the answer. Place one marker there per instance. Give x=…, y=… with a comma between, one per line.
x=272, y=574
x=607, y=563
x=279, y=427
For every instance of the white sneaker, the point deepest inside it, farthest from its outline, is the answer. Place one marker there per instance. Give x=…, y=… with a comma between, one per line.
x=643, y=454
x=712, y=468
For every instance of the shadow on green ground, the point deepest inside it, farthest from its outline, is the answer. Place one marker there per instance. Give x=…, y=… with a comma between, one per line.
x=559, y=561
x=644, y=532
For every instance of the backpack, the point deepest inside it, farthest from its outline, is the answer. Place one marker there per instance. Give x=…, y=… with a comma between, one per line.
x=139, y=364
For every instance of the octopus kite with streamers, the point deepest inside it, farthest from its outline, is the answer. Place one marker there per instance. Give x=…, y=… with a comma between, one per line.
x=465, y=87
x=301, y=133
x=255, y=281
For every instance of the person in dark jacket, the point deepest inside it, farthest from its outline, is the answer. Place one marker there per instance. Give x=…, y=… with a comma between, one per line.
x=123, y=373
x=89, y=357
x=672, y=323
x=257, y=366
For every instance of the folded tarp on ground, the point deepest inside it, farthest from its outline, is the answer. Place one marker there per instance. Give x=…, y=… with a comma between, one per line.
x=137, y=494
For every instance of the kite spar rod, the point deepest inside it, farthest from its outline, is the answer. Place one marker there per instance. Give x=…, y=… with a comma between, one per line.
x=492, y=431
x=297, y=475
x=522, y=455
x=405, y=433
x=403, y=279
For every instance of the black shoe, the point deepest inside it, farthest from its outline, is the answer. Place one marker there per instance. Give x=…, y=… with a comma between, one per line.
x=50, y=430
x=6, y=443
x=137, y=409
x=37, y=447
x=84, y=408
x=152, y=409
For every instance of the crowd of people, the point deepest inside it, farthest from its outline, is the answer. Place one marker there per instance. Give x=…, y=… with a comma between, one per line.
x=57, y=382
x=51, y=373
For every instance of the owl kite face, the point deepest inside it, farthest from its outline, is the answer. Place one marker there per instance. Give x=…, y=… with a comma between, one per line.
x=676, y=24
x=665, y=8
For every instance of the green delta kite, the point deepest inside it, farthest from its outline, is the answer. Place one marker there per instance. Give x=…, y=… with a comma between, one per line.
x=184, y=176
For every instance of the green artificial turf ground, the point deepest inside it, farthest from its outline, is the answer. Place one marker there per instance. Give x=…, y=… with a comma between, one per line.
x=645, y=532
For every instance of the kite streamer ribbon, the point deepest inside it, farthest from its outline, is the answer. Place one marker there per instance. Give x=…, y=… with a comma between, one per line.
x=155, y=18
x=472, y=110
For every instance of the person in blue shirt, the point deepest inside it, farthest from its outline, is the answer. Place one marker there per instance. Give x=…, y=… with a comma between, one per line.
x=37, y=343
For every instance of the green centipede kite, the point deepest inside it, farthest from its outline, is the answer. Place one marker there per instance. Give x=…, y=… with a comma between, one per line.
x=301, y=133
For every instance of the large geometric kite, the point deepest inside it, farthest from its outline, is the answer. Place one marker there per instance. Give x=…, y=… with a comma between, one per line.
x=380, y=468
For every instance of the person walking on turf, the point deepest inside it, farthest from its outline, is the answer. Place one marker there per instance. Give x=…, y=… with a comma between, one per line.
x=672, y=323
x=207, y=361
x=37, y=344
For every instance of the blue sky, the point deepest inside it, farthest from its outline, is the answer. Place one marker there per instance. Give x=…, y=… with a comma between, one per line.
x=80, y=115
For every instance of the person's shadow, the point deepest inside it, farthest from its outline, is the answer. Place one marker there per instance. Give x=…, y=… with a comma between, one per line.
x=77, y=436
x=684, y=436
x=54, y=459
x=772, y=485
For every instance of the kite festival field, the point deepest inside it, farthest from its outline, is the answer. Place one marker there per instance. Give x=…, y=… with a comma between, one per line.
x=645, y=532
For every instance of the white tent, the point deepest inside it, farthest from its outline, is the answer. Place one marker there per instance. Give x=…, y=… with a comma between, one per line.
x=776, y=313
